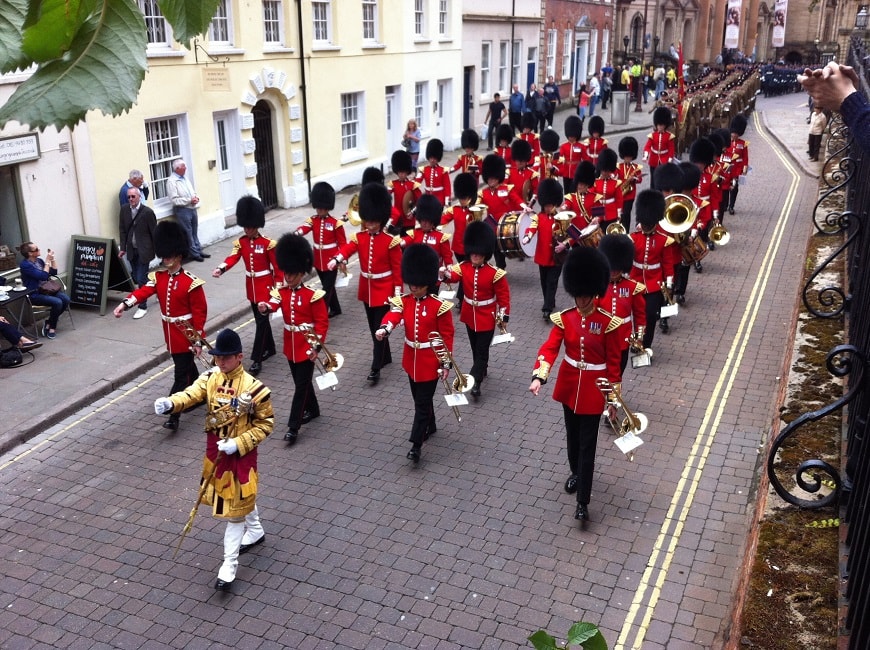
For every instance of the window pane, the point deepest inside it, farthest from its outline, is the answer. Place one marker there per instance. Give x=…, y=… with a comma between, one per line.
x=349, y=121
x=219, y=29
x=320, y=11
x=272, y=20
x=164, y=146
x=418, y=17
x=155, y=24
x=370, y=14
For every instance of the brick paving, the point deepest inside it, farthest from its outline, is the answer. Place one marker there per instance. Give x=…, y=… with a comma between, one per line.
x=476, y=547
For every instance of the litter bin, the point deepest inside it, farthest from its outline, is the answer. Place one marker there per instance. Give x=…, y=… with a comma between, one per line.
x=619, y=105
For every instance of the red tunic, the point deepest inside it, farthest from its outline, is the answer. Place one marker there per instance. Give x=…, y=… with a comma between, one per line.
x=499, y=201
x=592, y=350
x=633, y=171
x=570, y=156
x=439, y=241
x=703, y=197
x=304, y=310
x=328, y=235
x=505, y=153
x=486, y=291
x=592, y=207
x=546, y=164
x=380, y=264
x=261, y=269
x=435, y=180
x=654, y=258
x=659, y=148
x=519, y=177
x=544, y=226
x=534, y=141
x=470, y=163
x=460, y=217
x=624, y=298
x=421, y=317
x=398, y=188
x=611, y=197
x=181, y=298
x=738, y=151
x=592, y=147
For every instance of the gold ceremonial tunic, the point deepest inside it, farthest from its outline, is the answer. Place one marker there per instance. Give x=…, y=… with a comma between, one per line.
x=232, y=491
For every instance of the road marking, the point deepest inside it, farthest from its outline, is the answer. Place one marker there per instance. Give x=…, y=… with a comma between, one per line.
x=649, y=589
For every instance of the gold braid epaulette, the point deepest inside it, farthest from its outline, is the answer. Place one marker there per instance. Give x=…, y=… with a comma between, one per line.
x=499, y=274
x=272, y=244
x=318, y=294
x=639, y=287
x=615, y=321
x=396, y=241
x=195, y=281
x=396, y=301
x=556, y=319
x=446, y=306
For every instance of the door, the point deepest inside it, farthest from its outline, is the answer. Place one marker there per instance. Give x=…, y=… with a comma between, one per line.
x=442, y=111
x=531, y=68
x=264, y=154
x=468, y=100
x=393, y=125
x=228, y=163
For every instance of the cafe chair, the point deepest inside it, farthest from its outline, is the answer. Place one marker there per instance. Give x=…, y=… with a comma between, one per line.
x=41, y=312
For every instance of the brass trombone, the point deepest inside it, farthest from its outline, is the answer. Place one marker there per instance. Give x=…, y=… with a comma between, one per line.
x=462, y=383
x=331, y=362
x=635, y=423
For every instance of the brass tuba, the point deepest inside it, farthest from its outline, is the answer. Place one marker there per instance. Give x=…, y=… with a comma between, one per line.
x=635, y=423
x=680, y=214
x=718, y=235
x=462, y=383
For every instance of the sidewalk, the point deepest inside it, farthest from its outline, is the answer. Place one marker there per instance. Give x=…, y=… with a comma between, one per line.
x=103, y=353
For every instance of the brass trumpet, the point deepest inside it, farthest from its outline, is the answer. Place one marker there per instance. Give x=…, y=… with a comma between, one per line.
x=193, y=337
x=616, y=228
x=635, y=423
x=462, y=383
x=330, y=362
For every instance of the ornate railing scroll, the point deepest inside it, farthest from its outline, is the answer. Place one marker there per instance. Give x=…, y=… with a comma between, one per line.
x=834, y=298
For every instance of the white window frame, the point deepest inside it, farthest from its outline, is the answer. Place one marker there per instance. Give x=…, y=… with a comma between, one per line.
x=485, y=63
x=503, y=54
x=220, y=29
x=321, y=22
x=158, y=32
x=370, y=30
x=273, y=23
x=516, y=68
x=351, y=122
x=421, y=100
x=552, y=40
x=566, y=54
x=444, y=18
x=166, y=139
x=420, y=18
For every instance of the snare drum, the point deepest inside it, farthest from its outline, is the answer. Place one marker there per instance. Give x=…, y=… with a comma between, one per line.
x=591, y=235
x=509, y=235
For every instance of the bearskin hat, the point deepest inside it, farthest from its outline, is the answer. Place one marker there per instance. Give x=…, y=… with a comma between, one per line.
x=649, y=207
x=725, y=134
x=293, y=254
x=529, y=121
x=493, y=167
x=550, y=140
x=628, y=147
x=585, y=174
x=372, y=175
x=479, y=239
x=375, y=203
x=619, y=251
x=250, y=212
x=469, y=139
x=170, y=239
x=596, y=125
x=434, y=149
x=668, y=178
x=573, y=127
x=400, y=161
x=323, y=196
x=607, y=160
x=464, y=186
x=702, y=151
x=662, y=115
x=586, y=272
x=428, y=208
x=504, y=133
x=691, y=177
x=738, y=125
x=521, y=150
x=550, y=192
x=420, y=266
x=718, y=143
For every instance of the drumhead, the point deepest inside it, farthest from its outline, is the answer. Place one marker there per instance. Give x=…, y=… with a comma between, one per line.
x=525, y=222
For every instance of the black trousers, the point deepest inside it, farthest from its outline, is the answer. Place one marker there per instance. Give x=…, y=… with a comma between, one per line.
x=327, y=281
x=549, y=285
x=582, y=438
x=423, y=393
x=627, y=207
x=263, y=340
x=652, y=178
x=654, y=302
x=304, y=397
x=500, y=260
x=381, y=354
x=732, y=195
x=459, y=290
x=185, y=371
x=681, y=279
x=480, y=342
x=516, y=120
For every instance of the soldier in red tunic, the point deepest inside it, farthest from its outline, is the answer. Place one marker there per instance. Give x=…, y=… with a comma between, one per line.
x=498, y=197
x=528, y=134
x=329, y=236
x=182, y=306
x=738, y=152
x=595, y=143
x=304, y=312
x=630, y=175
x=469, y=162
x=624, y=297
x=551, y=243
x=434, y=178
x=380, y=264
x=522, y=174
x=504, y=136
x=486, y=293
x=571, y=152
x=423, y=314
x=547, y=162
x=428, y=230
x=608, y=187
x=702, y=154
x=465, y=191
x=583, y=202
x=590, y=336
x=401, y=219
x=661, y=143
x=261, y=273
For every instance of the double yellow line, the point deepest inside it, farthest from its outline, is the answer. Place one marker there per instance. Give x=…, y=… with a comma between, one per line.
x=648, y=591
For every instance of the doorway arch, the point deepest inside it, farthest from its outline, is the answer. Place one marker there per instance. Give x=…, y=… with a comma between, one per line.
x=264, y=154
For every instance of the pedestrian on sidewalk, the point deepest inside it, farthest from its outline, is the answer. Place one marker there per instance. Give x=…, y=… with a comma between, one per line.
x=136, y=224
x=818, y=122
x=494, y=116
x=553, y=96
x=594, y=92
x=261, y=273
x=185, y=206
x=516, y=108
x=582, y=104
x=238, y=419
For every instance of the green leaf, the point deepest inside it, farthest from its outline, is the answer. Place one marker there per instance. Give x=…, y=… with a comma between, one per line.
x=189, y=18
x=103, y=69
x=543, y=641
x=51, y=26
x=586, y=635
x=12, y=18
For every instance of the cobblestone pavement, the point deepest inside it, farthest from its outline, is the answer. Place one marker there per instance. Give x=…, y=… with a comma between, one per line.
x=474, y=548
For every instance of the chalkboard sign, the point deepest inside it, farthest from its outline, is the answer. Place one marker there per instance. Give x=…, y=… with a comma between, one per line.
x=94, y=269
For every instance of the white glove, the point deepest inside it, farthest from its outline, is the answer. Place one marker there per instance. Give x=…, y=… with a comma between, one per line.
x=228, y=446
x=162, y=405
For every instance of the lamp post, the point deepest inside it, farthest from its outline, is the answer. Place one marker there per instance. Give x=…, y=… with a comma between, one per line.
x=625, y=43
x=816, y=51
x=640, y=89
x=861, y=18
x=656, y=41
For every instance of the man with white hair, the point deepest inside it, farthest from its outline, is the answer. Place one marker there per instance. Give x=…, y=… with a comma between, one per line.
x=185, y=204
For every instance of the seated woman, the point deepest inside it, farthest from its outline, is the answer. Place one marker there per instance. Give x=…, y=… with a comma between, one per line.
x=35, y=270
x=9, y=332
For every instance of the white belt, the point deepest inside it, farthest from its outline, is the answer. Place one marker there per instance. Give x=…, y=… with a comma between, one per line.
x=478, y=303
x=659, y=152
x=324, y=246
x=582, y=365
x=417, y=344
x=608, y=201
x=176, y=319
x=376, y=276
x=646, y=267
x=257, y=274
x=302, y=327
x=628, y=319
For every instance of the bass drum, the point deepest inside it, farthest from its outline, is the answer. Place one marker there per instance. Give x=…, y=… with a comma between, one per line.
x=509, y=235
x=694, y=250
